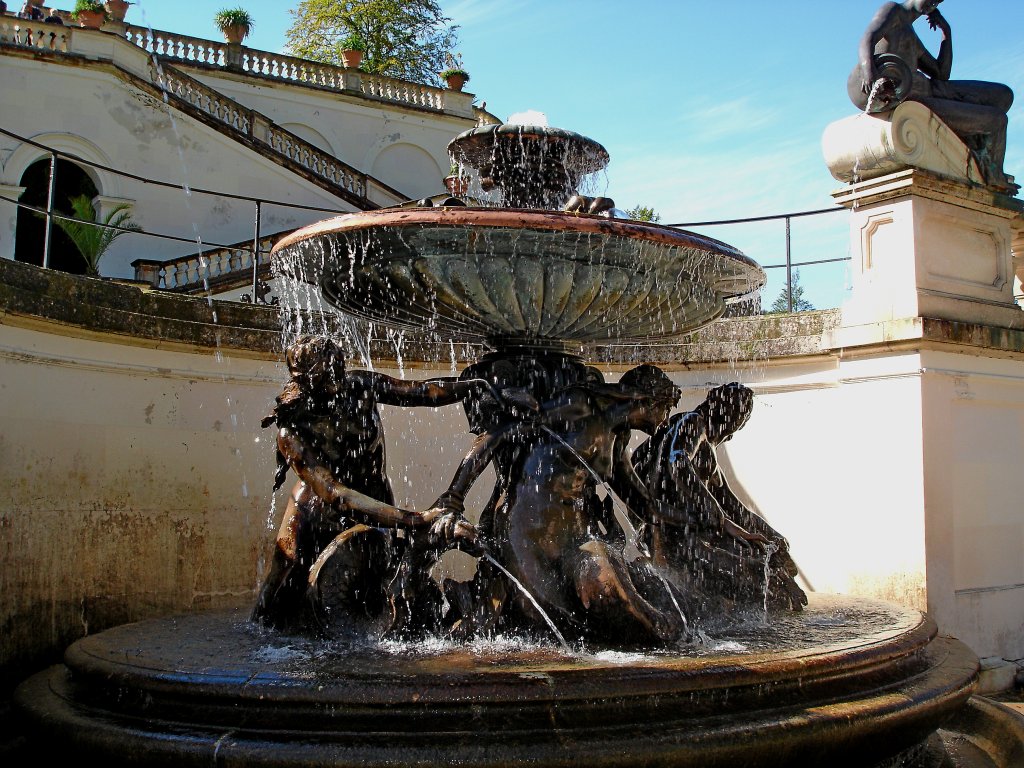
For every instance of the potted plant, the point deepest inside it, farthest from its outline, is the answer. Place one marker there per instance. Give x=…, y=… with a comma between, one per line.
x=456, y=78
x=352, y=49
x=234, y=23
x=90, y=13
x=454, y=75
x=93, y=241
x=116, y=9
x=455, y=182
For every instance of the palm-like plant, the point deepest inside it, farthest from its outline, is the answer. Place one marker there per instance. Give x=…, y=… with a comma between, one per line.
x=93, y=240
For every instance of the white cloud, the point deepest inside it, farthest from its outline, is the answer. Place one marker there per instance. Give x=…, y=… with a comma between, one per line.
x=468, y=13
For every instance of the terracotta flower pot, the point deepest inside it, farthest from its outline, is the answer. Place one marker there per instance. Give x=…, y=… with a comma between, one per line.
x=351, y=58
x=456, y=82
x=116, y=9
x=235, y=34
x=456, y=185
x=90, y=19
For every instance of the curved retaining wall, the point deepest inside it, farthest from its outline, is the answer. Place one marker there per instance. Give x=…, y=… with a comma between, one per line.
x=137, y=479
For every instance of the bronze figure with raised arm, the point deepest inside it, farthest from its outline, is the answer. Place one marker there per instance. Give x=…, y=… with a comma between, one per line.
x=975, y=110
x=330, y=436
x=554, y=534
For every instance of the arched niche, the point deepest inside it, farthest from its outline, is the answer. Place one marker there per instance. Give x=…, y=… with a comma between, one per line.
x=106, y=183
x=29, y=167
x=409, y=169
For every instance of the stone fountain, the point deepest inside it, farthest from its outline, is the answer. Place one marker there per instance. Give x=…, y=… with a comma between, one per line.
x=624, y=607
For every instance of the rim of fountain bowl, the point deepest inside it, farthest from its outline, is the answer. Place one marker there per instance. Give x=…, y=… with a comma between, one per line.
x=476, y=144
x=520, y=218
x=742, y=277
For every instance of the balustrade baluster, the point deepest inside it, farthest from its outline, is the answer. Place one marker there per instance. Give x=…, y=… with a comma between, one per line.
x=180, y=274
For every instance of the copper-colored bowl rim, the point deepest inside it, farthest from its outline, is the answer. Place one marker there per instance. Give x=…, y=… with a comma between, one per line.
x=517, y=218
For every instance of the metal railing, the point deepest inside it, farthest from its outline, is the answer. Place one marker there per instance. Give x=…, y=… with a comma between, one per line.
x=788, y=264
x=215, y=260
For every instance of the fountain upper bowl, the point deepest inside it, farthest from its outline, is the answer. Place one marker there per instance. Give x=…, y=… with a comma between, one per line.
x=519, y=276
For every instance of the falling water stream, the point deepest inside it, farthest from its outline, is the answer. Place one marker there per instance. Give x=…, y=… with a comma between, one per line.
x=624, y=511
x=519, y=585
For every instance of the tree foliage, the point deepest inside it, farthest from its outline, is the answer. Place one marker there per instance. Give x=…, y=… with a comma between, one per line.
x=407, y=39
x=93, y=241
x=800, y=304
x=643, y=213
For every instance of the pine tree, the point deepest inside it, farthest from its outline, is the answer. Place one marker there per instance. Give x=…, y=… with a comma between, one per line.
x=800, y=304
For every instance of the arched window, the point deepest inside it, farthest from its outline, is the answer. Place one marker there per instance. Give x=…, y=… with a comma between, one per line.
x=72, y=181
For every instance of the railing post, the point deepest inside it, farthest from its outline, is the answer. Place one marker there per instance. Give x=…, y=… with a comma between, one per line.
x=256, y=256
x=47, y=241
x=789, y=269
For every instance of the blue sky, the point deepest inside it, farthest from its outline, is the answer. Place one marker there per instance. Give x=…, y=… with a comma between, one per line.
x=710, y=110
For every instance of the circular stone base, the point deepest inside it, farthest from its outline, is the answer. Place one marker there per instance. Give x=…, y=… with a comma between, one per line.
x=845, y=683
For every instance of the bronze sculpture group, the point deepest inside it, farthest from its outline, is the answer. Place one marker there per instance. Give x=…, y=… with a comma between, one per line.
x=891, y=50
x=580, y=533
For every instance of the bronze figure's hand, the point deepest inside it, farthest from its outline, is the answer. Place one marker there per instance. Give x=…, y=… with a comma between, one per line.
x=519, y=399
x=937, y=21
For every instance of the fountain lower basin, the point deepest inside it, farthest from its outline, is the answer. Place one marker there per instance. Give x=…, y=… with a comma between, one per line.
x=522, y=277
x=853, y=683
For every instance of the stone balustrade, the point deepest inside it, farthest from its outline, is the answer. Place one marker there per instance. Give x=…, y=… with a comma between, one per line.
x=404, y=92
x=184, y=49
x=278, y=66
x=316, y=160
x=177, y=47
x=213, y=103
x=33, y=34
x=198, y=271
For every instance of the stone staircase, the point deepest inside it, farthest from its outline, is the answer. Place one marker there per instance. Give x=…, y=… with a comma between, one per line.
x=155, y=74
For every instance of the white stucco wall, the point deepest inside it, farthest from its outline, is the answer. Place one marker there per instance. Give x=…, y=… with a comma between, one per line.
x=98, y=116
x=140, y=477
x=134, y=482
x=138, y=134
x=973, y=453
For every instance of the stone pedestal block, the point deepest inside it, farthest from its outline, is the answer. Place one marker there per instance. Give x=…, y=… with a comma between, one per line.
x=925, y=245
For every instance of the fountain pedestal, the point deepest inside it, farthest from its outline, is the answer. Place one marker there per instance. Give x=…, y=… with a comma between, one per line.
x=925, y=245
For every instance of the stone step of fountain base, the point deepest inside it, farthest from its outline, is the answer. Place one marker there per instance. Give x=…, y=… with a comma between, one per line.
x=846, y=683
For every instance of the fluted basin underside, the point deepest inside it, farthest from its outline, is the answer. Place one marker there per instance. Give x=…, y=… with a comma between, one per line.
x=855, y=683
x=520, y=276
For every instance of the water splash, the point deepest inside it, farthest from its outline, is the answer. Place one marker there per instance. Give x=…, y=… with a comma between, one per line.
x=769, y=549
x=519, y=585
